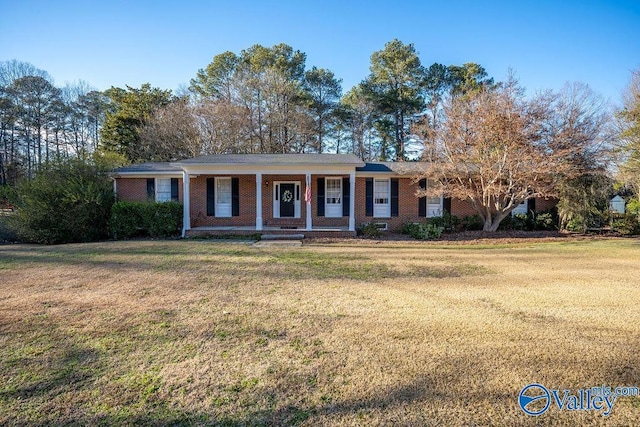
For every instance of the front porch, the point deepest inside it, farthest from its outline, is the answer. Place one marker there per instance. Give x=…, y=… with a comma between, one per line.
x=251, y=198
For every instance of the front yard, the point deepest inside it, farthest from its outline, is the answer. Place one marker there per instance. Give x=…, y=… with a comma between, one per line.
x=351, y=333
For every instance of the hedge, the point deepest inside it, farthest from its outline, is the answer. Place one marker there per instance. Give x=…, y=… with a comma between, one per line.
x=140, y=219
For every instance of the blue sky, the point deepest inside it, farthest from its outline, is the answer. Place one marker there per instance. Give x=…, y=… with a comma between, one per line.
x=115, y=42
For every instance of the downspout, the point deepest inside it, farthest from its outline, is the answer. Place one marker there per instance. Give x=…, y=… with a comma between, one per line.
x=115, y=187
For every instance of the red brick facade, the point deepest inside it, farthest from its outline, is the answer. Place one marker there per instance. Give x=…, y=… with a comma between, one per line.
x=135, y=189
x=407, y=204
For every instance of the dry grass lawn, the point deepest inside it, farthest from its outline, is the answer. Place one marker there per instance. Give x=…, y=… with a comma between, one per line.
x=353, y=333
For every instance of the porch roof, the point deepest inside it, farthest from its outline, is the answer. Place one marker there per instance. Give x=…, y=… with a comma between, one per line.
x=149, y=168
x=274, y=159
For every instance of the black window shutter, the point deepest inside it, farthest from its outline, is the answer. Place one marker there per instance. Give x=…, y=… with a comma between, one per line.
x=151, y=188
x=422, y=201
x=346, y=194
x=174, y=189
x=531, y=204
x=211, y=197
x=394, y=196
x=320, y=190
x=235, y=196
x=369, y=196
x=446, y=204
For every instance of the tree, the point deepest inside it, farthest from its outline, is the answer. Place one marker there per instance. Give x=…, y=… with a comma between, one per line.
x=67, y=201
x=171, y=133
x=34, y=99
x=268, y=87
x=436, y=83
x=357, y=111
x=14, y=69
x=127, y=112
x=496, y=149
x=629, y=132
x=216, y=80
x=394, y=87
x=324, y=90
x=12, y=143
x=581, y=119
x=470, y=77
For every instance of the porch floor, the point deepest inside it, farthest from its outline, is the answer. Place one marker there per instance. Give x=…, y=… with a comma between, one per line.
x=269, y=229
x=338, y=232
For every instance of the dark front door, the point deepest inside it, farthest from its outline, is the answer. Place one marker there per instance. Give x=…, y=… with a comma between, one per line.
x=287, y=198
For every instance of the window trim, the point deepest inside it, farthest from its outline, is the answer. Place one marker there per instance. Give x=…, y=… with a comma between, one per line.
x=223, y=206
x=156, y=185
x=379, y=206
x=333, y=210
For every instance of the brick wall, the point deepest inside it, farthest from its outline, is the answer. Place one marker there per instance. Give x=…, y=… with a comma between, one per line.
x=267, y=202
x=407, y=204
x=135, y=189
x=543, y=204
x=198, y=205
x=323, y=221
x=461, y=208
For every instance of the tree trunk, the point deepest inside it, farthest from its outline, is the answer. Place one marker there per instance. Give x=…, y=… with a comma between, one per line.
x=491, y=224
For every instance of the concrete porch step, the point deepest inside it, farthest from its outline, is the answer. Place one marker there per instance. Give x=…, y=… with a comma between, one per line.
x=284, y=236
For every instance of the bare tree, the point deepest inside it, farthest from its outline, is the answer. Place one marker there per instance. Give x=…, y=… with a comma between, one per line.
x=224, y=127
x=171, y=133
x=629, y=131
x=496, y=149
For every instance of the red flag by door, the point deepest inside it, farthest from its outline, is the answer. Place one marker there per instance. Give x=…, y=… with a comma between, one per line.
x=307, y=194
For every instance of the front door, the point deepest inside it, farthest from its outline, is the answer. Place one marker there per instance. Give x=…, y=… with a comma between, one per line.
x=287, y=198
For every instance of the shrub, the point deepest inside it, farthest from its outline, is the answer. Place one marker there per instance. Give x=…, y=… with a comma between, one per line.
x=369, y=230
x=126, y=220
x=545, y=221
x=472, y=223
x=422, y=231
x=67, y=201
x=633, y=207
x=163, y=219
x=131, y=219
x=448, y=222
x=531, y=221
x=7, y=233
x=627, y=224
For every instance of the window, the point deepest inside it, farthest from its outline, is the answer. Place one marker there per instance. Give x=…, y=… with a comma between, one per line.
x=223, y=197
x=163, y=189
x=521, y=209
x=381, y=195
x=333, y=197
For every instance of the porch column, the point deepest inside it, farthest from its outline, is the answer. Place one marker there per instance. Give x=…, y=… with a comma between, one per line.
x=259, y=201
x=352, y=201
x=186, y=203
x=307, y=198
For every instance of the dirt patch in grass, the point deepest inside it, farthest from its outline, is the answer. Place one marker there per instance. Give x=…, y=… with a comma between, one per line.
x=346, y=333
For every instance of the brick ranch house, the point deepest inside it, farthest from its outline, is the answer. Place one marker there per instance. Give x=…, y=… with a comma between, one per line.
x=317, y=194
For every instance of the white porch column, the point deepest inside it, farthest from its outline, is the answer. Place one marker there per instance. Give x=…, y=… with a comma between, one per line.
x=352, y=201
x=307, y=191
x=259, y=201
x=186, y=203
